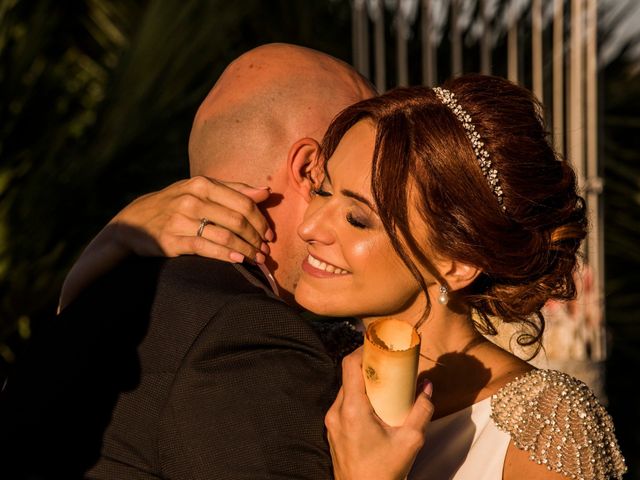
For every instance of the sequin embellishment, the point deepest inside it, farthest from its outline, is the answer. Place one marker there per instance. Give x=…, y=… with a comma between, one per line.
x=560, y=423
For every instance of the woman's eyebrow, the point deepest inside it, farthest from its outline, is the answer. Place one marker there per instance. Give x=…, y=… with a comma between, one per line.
x=358, y=197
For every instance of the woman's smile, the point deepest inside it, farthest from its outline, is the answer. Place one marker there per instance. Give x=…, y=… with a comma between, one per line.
x=352, y=269
x=319, y=268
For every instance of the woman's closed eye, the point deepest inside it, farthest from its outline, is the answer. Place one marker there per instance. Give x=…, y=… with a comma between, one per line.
x=357, y=221
x=320, y=192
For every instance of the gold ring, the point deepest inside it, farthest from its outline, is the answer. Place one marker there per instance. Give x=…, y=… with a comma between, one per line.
x=203, y=223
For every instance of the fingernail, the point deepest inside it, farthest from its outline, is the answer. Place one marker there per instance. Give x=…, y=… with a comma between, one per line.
x=269, y=236
x=236, y=257
x=260, y=258
x=264, y=248
x=427, y=388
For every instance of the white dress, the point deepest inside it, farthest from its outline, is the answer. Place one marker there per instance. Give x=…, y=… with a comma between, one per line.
x=549, y=414
x=456, y=445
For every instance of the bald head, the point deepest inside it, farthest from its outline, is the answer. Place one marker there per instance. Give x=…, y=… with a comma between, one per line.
x=265, y=101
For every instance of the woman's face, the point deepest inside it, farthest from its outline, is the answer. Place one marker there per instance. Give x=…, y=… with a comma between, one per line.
x=352, y=269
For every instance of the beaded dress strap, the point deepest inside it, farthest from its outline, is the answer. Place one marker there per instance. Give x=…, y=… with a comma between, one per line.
x=560, y=423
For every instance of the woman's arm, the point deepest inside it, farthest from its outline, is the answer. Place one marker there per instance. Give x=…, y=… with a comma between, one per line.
x=165, y=223
x=362, y=445
x=518, y=465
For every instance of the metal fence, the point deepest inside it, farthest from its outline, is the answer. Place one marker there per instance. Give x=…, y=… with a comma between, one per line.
x=549, y=46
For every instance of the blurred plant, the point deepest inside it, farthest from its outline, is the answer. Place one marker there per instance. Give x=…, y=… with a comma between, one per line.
x=96, y=103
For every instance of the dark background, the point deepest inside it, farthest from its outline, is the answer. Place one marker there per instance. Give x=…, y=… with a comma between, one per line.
x=96, y=103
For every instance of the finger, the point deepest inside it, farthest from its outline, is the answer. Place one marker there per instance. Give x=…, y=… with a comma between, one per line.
x=337, y=403
x=245, y=201
x=334, y=457
x=421, y=412
x=175, y=188
x=257, y=194
x=231, y=220
x=225, y=194
x=352, y=378
x=180, y=225
x=205, y=248
x=332, y=417
x=227, y=238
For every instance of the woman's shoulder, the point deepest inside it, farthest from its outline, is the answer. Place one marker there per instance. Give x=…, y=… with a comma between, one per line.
x=558, y=420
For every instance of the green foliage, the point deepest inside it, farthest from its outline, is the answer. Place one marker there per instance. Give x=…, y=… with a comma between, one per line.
x=96, y=103
x=97, y=100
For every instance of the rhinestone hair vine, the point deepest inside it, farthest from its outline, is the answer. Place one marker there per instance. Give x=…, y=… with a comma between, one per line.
x=491, y=174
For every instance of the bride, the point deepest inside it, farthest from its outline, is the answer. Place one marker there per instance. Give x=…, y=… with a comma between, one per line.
x=448, y=208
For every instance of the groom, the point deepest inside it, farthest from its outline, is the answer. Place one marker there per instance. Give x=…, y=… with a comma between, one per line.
x=190, y=368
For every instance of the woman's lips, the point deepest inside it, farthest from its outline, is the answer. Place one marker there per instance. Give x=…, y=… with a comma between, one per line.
x=319, y=268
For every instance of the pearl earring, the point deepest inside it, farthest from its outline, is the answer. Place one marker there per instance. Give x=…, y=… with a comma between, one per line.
x=443, y=298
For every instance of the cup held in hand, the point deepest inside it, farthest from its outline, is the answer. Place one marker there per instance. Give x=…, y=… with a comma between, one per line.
x=390, y=368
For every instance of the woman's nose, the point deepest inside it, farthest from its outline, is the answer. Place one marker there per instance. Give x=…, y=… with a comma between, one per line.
x=316, y=227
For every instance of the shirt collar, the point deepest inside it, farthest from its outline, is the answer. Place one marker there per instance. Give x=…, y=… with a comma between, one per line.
x=257, y=274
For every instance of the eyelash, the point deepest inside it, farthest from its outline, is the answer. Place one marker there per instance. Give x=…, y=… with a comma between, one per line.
x=356, y=223
x=320, y=192
x=350, y=218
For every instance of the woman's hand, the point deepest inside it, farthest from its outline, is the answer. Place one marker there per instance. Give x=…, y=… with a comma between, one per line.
x=362, y=445
x=166, y=223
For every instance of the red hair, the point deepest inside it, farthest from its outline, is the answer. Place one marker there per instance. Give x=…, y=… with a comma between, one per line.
x=423, y=160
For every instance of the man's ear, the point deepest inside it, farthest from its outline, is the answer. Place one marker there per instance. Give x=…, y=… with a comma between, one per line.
x=459, y=275
x=305, y=166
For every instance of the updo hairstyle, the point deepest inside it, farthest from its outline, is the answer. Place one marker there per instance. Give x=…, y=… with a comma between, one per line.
x=423, y=160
